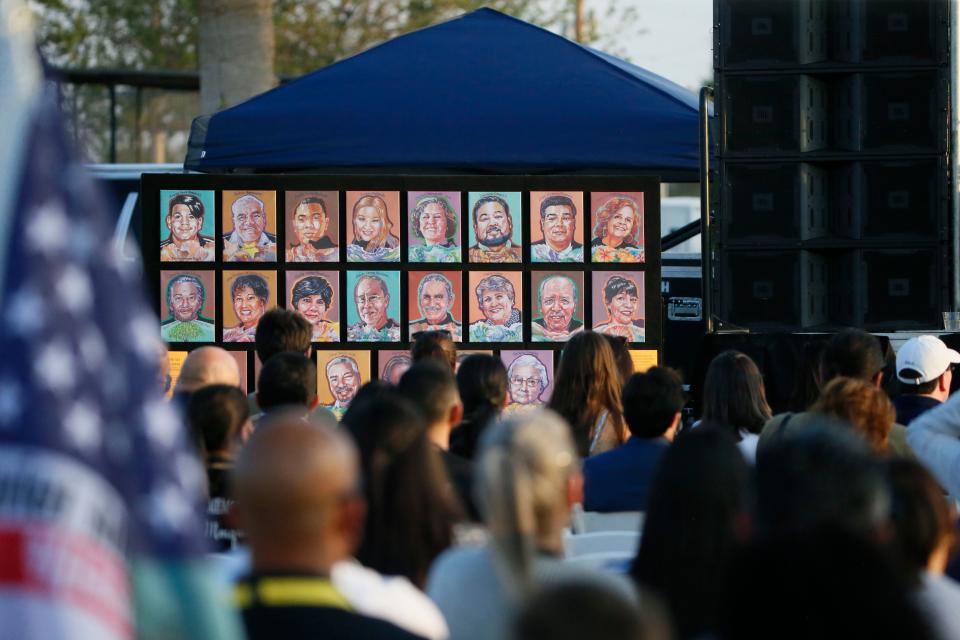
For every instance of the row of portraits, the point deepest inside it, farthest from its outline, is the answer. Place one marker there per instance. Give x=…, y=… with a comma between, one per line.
x=374, y=230
x=494, y=304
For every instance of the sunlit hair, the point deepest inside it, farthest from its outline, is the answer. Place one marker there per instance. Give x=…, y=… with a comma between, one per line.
x=378, y=205
x=524, y=466
x=610, y=207
x=863, y=405
x=587, y=383
x=448, y=213
x=733, y=394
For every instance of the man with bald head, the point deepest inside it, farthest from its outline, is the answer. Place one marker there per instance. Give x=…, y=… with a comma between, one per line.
x=300, y=505
x=203, y=367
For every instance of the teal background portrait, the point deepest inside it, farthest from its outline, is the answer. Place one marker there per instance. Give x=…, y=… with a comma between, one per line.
x=513, y=200
x=209, y=210
x=392, y=278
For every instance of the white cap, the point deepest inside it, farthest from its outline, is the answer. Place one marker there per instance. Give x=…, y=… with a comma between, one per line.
x=928, y=356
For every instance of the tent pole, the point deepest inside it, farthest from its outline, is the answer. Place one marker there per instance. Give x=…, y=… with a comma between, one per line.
x=706, y=250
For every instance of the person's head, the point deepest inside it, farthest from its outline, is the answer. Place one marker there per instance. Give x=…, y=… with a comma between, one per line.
x=436, y=346
x=184, y=217
x=219, y=418
x=250, y=294
x=820, y=476
x=287, y=379
x=587, y=383
x=652, y=402
x=185, y=297
x=492, y=223
x=527, y=481
x=310, y=220
x=410, y=511
x=343, y=379
x=433, y=389
x=528, y=379
x=925, y=367
x=695, y=520
x=312, y=297
x=373, y=300
x=282, y=330
x=861, y=404
x=434, y=220
x=298, y=499
x=482, y=382
x=621, y=353
x=249, y=217
x=205, y=366
x=371, y=222
x=621, y=298
x=618, y=221
x=395, y=368
x=557, y=300
x=496, y=297
x=558, y=221
x=853, y=353
x=435, y=298
x=733, y=393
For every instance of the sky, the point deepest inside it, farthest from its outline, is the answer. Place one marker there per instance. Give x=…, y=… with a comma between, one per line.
x=677, y=38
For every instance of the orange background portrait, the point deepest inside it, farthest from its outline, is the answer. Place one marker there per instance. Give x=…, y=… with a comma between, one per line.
x=536, y=234
x=269, y=199
x=476, y=276
x=323, y=357
x=208, y=310
x=330, y=198
x=229, y=316
x=413, y=310
x=392, y=198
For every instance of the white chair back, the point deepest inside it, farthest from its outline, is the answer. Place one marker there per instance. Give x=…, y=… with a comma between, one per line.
x=623, y=542
x=594, y=521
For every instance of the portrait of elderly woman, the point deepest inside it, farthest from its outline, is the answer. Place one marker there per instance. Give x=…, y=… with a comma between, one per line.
x=618, y=230
x=372, y=229
x=527, y=380
x=312, y=297
x=250, y=295
x=433, y=228
x=497, y=303
x=310, y=224
x=184, y=222
x=621, y=300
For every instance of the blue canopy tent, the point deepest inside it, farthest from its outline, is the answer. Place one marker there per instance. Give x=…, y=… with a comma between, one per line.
x=483, y=93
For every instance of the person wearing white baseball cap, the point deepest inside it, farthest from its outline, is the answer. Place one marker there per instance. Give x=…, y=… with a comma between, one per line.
x=925, y=370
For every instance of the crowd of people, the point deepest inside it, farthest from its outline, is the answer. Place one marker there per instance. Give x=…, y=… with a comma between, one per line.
x=425, y=512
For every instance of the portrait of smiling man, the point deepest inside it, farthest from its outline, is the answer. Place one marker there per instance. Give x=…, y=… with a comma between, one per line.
x=493, y=230
x=249, y=240
x=435, y=300
x=310, y=224
x=343, y=380
x=372, y=298
x=557, y=298
x=558, y=223
x=184, y=222
x=186, y=296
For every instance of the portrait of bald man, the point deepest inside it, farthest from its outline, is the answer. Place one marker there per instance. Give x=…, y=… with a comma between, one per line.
x=249, y=241
x=557, y=299
x=343, y=380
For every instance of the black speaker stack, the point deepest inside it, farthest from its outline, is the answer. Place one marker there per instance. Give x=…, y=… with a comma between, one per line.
x=832, y=195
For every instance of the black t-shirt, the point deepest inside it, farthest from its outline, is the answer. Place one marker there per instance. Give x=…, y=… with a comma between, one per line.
x=222, y=537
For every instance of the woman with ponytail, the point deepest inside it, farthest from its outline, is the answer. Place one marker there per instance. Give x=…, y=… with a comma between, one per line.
x=482, y=383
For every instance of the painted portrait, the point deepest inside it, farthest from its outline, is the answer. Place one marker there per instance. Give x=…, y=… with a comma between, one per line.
x=617, y=233
x=373, y=226
x=392, y=364
x=315, y=295
x=434, y=226
x=186, y=226
x=340, y=374
x=247, y=295
x=494, y=231
x=618, y=304
x=373, y=312
x=312, y=220
x=250, y=226
x=556, y=226
x=496, y=308
x=435, y=302
x=187, y=306
x=558, y=305
x=529, y=379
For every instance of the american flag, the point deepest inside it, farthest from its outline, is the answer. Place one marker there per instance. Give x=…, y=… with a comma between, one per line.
x=99, y=491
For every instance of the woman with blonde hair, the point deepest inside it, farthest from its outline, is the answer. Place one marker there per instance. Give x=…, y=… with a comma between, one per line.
x=372, y=237
x=865, y=407
x=528, y=479
x=586, y=393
